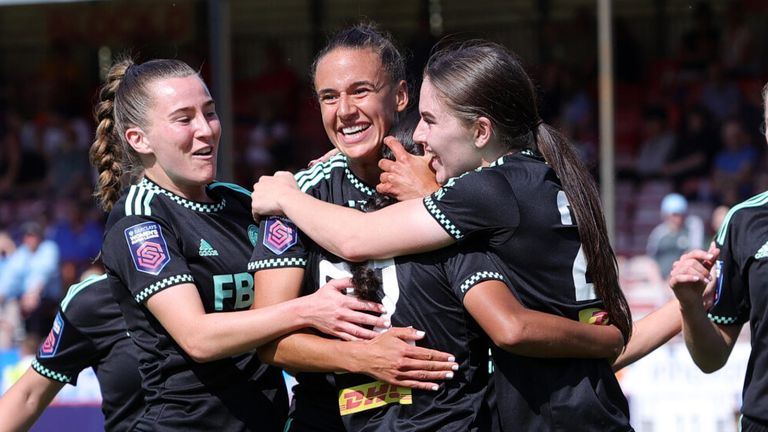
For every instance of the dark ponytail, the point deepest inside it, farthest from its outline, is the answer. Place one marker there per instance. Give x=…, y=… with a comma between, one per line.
x=484, y=79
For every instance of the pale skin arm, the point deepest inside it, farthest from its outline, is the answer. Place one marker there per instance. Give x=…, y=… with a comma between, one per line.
x=519, y=330
x=25, y=401
x=206, y=337
x=709, y=344
x=366, y=235
x=387, y=357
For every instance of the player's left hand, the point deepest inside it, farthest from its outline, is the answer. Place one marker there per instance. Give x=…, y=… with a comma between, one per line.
x=408, y=176
x=265, y=198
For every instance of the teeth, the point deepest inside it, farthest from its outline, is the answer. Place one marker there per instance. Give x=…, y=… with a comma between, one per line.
x=353, y=129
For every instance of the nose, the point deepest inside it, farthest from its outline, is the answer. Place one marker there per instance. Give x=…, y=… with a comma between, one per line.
x=347, y=107
x=420, y=133
x=204, y=127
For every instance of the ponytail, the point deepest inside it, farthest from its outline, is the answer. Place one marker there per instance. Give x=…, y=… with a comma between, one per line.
x=106, y=153
x=582, y=193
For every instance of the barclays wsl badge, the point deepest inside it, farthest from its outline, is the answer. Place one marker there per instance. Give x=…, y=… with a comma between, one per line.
x=148, y=248
x=279, y=235
x=51, y=344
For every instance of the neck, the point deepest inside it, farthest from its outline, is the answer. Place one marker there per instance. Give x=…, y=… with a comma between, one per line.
x=367, y=171
x=192, y=192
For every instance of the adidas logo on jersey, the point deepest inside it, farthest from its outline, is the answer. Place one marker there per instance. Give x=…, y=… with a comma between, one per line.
x=763, y=252
x=206, y=249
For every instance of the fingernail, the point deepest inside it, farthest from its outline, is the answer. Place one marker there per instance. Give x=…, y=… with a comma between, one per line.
x=455, y=367
x=420, y=333
x=710, y=256
x=449, y=375
x=434, y=388
x=452, y=359
x=387, y=324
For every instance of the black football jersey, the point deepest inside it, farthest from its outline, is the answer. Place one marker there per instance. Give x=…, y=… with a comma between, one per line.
x=425, y=291
x=89, y=331
x=741, y=292
x=518, y=208
x=282, y=245
x=155, y=240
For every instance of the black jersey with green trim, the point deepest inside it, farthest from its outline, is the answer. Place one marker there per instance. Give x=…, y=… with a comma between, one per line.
x=156, y=240
x=89, y=331
x=741, y=292
x=282, y=245
x=426, y=291
x=517, y=206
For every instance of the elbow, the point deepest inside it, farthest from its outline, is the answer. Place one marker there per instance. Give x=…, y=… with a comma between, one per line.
x=511, y=337
x=199, y=350
x=709, y=366
x=350, y=249
x=268, y=353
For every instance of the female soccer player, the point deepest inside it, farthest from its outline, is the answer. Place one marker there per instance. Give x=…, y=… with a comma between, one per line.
x=359, y=82
x=88, y=331
x=740, y=296
x=176, y=250
x=478, y=109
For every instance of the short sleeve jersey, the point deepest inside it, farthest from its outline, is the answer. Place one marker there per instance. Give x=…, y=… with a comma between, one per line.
x=741, y=293
x=89, y=331
x=517, y=206
x=282, y=245
x=156, y=240
x=426, y=291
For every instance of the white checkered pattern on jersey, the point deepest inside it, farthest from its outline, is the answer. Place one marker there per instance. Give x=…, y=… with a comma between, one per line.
x=44, y=371
x=277, y=262
x=165, y=283
x=480, y=276
x=192, y=205
x=442, y=219
x=722, y=320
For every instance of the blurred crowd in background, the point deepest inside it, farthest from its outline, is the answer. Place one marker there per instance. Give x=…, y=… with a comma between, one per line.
x=687, y=123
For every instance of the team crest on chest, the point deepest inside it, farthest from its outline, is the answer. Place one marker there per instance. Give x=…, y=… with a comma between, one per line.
x=253, y=234
x=279, y=235
x=51, y=343
x=148, y=248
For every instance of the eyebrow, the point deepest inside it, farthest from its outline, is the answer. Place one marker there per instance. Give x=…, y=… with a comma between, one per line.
x=207, y=104
x=426, y=115
x=353, y=85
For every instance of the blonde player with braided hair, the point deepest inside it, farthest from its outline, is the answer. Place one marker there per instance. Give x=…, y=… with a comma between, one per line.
x=176, y=251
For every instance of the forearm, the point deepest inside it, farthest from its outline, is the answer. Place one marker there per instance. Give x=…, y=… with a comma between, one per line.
x=545, y=335
x=307, y=352
x=357, y=236
x=651, y=332
x=23, y=403
x=211, y=336
x=708, y=345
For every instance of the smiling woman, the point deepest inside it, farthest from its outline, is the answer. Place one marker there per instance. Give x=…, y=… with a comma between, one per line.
x=176, y=250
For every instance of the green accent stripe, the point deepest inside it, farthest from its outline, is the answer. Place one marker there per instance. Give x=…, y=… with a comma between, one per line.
x=755, y=201
x=75, y=289
x=234, y=187
x=307, y=179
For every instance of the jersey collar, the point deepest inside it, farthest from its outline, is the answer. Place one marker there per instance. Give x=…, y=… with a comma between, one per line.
x=202, y=207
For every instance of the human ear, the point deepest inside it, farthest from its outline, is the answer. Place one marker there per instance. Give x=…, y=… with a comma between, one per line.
x=483, y=132
x=401, y=97
x=137, y=140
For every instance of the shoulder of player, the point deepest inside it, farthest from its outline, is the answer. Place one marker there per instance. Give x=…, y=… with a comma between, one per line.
x=86, y=298
x=321, y=173
x=743, y=215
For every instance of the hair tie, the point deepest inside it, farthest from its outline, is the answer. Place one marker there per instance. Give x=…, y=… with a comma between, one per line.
x=536, y=125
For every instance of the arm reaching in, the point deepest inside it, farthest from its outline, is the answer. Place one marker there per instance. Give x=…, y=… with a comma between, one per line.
x=708, y=343
x=25, y=401
x=523, y=331
x=206, y=337
x=367, y=235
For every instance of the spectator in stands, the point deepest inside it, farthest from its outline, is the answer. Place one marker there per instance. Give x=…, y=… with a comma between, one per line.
x=31, y=281
x=690, y=161
x=719, y=95
x=657, y=145
x=733, y=169
x=678, y=233
x=78, y=236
